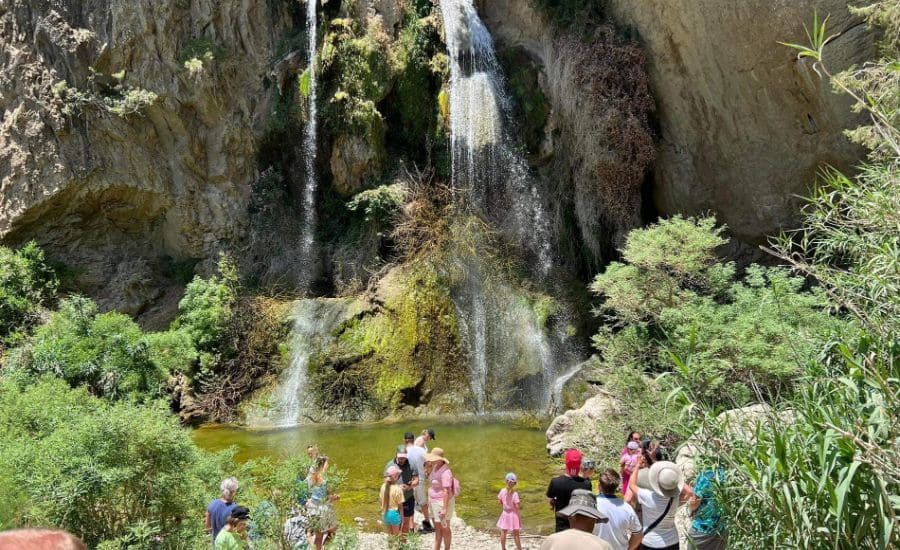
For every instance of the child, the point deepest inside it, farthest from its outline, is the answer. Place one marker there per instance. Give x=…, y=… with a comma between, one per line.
x=629, y=461
x=509, y=519
x=391, y=501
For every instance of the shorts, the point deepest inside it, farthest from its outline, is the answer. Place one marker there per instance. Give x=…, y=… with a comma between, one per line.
x=419, y=492
x=409, y=507
x=392, y=518
x=705, y=541
x=435, y=507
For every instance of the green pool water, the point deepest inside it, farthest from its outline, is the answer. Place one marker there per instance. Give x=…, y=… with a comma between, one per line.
x=480, y=454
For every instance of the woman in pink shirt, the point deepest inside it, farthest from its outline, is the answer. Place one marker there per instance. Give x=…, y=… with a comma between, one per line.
x=441, y=496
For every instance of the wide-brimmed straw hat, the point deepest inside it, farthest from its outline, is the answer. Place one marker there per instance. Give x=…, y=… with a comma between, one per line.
x=666, y=479
x=436, y=454
x=583, y=503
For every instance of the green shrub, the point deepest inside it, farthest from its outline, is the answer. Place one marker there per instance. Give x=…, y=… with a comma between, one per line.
x=206, y=307
x=98, y=469
x=105, y=352
x=27, y=283
x=744, y=337
x=173, y=351
x=381, y=203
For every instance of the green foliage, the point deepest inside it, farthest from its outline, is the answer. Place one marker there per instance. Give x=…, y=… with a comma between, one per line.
x=207, y=305
x=412, y=104
x=821, y=471
x=105, y=93
x=744, y=337
x=173, y=351
x=357, y=67
x=104, y=352
x=100, y=470
x=381, y=203
x=531, y=106
x=27, y=284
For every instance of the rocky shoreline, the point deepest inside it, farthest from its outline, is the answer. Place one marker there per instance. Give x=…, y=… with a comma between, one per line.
x=465, y=537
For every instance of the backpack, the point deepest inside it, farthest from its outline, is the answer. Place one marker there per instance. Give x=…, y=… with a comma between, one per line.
x=455, y=486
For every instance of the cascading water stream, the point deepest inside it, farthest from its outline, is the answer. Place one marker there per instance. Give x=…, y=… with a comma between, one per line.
x=310, y=139
x=490, y=177
x=486, y=169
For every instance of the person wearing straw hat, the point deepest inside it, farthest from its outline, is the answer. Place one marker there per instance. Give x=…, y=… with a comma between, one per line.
x=659, y=503
x=582, y=515
x=441, y=496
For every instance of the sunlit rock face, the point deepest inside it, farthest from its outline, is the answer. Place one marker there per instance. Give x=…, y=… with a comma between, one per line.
x=115, y=153
x=745, y=125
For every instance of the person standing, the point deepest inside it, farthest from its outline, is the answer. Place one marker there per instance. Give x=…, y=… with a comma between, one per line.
x=422, y=440
x=229, y=537
x=659, y=504
x=409, y=479
x=582, y=516
x=391, y=501
x=219, y=510
x=623, y=530
x=320, y=504
x=441, y=496
x=416, y=457
x=509, y=518
x=560, y=489
x=707, y=530
x=588, y=469
x=629, y=460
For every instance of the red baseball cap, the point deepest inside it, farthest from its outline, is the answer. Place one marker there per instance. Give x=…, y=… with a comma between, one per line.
x=573, y=462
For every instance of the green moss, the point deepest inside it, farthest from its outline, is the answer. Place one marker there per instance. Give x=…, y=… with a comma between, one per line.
x=544, y=307
x=528, y=99
x=398, y=352
x=357, y=71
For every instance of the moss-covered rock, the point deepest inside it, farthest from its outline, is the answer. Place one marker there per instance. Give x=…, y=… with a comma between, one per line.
x=396, y=352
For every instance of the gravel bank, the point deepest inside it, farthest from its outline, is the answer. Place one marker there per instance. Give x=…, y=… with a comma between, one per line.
x=464, y=538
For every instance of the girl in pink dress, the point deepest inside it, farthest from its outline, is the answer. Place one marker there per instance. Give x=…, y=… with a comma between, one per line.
x=509, y=519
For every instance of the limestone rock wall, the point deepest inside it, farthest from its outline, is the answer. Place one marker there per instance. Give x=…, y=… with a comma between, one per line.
x=110, y=194
x=744, y=125
x=598, y=144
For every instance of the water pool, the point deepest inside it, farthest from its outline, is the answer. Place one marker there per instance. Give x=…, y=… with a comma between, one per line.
x=480, y=454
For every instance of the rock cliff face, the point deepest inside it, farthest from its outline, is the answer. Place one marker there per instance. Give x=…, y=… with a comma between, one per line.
x=597, y=139
x=744, y=125
x=129, y=131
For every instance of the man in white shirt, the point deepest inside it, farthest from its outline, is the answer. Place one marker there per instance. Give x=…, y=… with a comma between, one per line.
x=623, y=530
x=422, y=440
x=416, y=456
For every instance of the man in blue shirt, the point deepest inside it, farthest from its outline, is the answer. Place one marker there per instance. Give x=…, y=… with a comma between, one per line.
x=218, y=510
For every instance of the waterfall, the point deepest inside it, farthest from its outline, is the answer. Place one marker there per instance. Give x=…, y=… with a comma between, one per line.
x=310, y=136
x=487, y=170
x=492, y=178
x=312, y=321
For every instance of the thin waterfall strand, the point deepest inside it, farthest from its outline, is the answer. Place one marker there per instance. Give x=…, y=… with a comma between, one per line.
x=310, y=139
